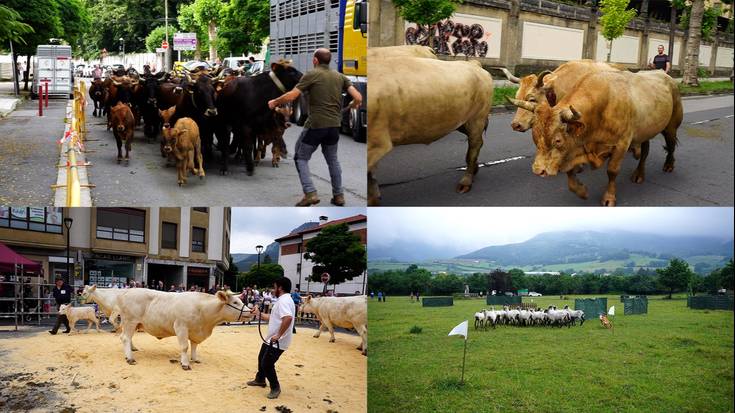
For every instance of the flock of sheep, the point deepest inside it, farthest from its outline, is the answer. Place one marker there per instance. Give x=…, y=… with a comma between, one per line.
x=522, y=317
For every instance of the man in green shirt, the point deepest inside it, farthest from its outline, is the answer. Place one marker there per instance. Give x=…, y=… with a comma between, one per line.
x=325, y=88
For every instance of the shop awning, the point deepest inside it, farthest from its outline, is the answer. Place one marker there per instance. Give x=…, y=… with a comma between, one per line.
x=9, y=259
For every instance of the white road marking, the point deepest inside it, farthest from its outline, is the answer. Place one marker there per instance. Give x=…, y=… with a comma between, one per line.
x=491, y=163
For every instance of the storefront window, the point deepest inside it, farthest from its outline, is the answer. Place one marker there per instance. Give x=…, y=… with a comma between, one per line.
x=105, y=272
x=197, y=239
x=201, y=209
x=32, y=219
x=121, y=224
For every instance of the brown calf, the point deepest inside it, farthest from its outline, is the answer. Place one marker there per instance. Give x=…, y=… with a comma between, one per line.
x=184, y=144
x=274, y=136
x=123, y=127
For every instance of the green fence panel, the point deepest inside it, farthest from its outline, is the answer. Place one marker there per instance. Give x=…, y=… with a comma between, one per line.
x=503, y=300
x=437, y=301
x=634, y=304
x=710, y=302
x=592, y=307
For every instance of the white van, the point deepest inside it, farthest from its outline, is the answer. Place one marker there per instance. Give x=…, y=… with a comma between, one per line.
x=53, y=65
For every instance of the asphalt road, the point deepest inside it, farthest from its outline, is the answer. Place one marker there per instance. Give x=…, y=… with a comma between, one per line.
x=419, y=175
x=146, y=180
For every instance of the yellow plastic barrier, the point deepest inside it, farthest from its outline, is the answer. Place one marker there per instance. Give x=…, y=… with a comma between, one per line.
x=78, y=130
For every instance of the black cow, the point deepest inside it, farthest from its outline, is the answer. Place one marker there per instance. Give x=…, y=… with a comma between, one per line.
x=98, y=94
x=119, y=89
x=243, y=110
x=149, y=106
x=196, y=102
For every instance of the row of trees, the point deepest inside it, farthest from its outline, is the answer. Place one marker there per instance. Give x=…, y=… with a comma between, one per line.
x=675, y=277
x=222, y=26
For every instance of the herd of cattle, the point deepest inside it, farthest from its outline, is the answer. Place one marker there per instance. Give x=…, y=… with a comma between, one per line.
x=191, y=109
x=191, y=316
x=551, y=317
x=582, y=113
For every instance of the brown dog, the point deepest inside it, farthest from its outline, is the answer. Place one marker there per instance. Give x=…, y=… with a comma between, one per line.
x=123, y=127
x=183, y=142
x=605, y=322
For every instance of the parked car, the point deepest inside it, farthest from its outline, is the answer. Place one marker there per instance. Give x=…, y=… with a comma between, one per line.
x=534, y=294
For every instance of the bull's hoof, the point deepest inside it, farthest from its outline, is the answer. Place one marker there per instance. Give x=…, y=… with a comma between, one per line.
x=608, y=200
x=374, y=201
x=119, y=160
x=134, y=349
x=669, y=167
x=637, y=177
x=331, y=340
x=181, y=183
x=185, y=367
x=249, y=172
x=315, y=336
x=130, y=361
x=197, y=361
x=364, y=353
x=580, y=190
x=463, y=189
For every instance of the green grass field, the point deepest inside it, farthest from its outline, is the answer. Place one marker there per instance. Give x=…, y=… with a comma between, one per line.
x=671, y=360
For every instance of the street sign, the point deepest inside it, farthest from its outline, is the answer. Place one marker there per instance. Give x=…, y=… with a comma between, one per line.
x=185, y=41
x=164, y=45
x=160, y=50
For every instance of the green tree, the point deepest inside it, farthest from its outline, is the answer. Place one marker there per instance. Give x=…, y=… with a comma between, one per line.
x=158, y=35
x=187, y=21
x=445, y=284
x=207, y=14
x=615, y=17
x=262, y=277
x=477, y=282
x=11, y=27
x=691, y=64
x=426, y=12
x=676, y=276
x=243, y=27
x=76, y=22
x=337, y=251
x=517, y=279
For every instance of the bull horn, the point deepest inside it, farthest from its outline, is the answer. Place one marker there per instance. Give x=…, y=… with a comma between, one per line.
x=570, y=114
x=510, y=76
x=541, y=76
x=529, y=106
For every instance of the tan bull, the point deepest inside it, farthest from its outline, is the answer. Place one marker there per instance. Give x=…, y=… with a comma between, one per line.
x=602, y=117
x=550, y=86
x=400, y=51
x=417, y=100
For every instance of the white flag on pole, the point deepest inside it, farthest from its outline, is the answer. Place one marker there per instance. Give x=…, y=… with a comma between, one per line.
x=611, y=311
x=460, y=330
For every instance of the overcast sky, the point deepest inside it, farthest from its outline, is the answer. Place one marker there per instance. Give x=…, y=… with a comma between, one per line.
x=253, y=226
x=468, y=228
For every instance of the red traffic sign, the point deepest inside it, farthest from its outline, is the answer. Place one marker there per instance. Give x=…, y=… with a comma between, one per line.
x=325, y=278
x=164, y=44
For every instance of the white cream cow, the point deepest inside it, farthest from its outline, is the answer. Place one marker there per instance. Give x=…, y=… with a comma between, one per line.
x=345, y=312
x=418, y=100
x=189, y=316
x=75, y=314
x=106, y=299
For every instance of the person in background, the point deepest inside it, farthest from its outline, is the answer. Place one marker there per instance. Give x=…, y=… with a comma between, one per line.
x=380, y=296
x=172, y=289
x=48, y=299
x=296, y=297
x=661, y=61
x=214, y=289
x=62, y=294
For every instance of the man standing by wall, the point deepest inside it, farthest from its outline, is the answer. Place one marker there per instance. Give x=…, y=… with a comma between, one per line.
x=661, y=61
x=62, y=294
x=325, y=88
x=280, y=326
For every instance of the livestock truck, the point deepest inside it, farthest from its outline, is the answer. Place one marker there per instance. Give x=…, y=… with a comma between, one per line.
x=298, y=27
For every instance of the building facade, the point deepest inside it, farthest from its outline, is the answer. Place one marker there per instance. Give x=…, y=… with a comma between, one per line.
x=298, y=269
x=179, y=246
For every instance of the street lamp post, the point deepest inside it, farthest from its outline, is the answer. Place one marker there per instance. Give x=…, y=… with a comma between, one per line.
x=67, y=224
x=259, y=248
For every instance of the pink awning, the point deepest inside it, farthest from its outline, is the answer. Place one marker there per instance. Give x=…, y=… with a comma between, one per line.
x=9, y=258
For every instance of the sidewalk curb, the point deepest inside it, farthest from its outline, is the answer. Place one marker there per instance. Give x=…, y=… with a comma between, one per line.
x=13, y=104
x=60, y=192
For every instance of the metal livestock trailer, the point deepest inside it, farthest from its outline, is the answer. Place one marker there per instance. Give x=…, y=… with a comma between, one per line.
x=53, y=65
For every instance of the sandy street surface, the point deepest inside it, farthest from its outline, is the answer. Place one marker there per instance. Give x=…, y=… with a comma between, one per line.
x=88, y=373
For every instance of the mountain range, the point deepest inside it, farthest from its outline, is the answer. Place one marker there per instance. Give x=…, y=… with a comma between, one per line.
x=566, y=247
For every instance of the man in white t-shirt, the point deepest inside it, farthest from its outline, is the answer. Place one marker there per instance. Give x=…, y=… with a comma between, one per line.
x=280, y=325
